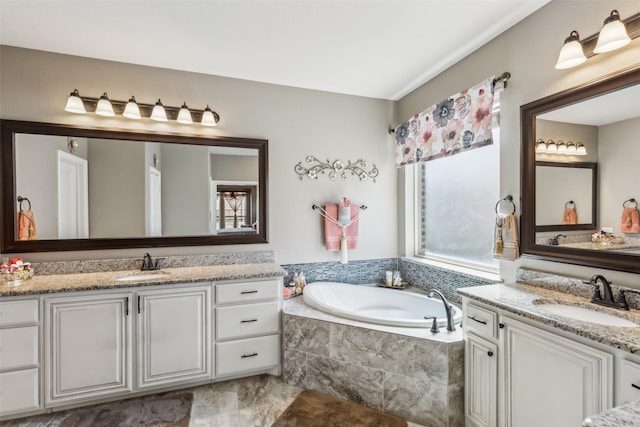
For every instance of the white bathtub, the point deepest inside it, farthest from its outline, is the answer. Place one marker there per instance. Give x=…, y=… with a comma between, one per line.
x=378, y=305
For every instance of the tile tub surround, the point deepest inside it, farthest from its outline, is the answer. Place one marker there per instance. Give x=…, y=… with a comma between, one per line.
x=107, y=280
x=518, y=298
x=361, y=272
x=408, y=372
x=124, y=264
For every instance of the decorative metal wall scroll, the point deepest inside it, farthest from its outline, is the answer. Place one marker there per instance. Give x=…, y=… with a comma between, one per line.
x=336, y=168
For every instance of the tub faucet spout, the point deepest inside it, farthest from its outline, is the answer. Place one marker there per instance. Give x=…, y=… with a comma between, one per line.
x=447, y=308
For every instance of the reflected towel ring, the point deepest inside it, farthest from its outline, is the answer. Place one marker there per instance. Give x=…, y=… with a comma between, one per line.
x=570, y=202
x=624, y=204
x=23, y=199
x=507, y=199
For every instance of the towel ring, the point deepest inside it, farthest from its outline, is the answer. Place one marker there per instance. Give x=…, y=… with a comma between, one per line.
x=624, y=204
x=507, y=199
x=23, y=199
x=570, y=202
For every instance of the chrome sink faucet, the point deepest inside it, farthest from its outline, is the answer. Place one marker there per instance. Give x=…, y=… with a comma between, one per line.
x=607, y=300
x=447, y=308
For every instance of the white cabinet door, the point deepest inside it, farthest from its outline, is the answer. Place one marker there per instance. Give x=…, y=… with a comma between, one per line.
x=174, y=339
x=481, y=382
x=88, y=347
x=552, y=381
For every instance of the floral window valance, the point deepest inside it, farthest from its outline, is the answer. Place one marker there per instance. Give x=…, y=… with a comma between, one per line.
x=457, y=124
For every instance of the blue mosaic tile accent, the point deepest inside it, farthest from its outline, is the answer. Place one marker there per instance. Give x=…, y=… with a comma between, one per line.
x=428, y=277
x=371, y=271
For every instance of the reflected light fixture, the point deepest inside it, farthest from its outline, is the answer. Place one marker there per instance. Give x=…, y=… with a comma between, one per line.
x=208, y=118
x=184, y=116
x=551, y=147
x=132, y=110
x=104, y=107
x=541, y=146
x=613, y=34
x=571, y=53
x=158, y=114
x=580, y=149
x=571, y=148
x=74, y=103
x=561, y=147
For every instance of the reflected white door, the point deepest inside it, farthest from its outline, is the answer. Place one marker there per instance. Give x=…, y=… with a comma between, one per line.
x=73, y=197
x=154, y=205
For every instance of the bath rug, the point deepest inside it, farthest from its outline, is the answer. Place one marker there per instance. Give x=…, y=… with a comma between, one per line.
x=160, y=411
x=313, y=409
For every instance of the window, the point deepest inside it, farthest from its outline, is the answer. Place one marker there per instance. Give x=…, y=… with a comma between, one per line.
x=455, y=205
x=235, y=208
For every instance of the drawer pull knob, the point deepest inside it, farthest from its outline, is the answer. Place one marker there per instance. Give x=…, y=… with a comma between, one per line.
x=248, y=355
x=477, y=320
x=490, y=353
x=635, y=386
x=248, y=292
x=249, y=321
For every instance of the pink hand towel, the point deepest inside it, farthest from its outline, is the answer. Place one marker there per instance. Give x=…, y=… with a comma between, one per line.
x=333, y=232
x=26, y=226
x=570, y=216
x=630, y=220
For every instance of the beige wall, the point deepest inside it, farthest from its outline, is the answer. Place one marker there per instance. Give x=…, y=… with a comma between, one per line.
x=297, y=122
x=529, y=52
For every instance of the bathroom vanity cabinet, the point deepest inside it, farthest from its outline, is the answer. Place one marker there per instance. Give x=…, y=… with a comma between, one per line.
x=106, y=344
x=520, y=372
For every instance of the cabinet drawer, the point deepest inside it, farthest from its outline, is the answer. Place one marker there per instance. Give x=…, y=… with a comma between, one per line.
x=247, y=355
x=630, y=382
x=18, y=347
x=18, y=312
x=19, y=391
x=246, y=320
x=227, y=293
x=480, y=321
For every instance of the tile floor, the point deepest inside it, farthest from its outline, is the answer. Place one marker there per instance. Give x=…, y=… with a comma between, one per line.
x=248, y=402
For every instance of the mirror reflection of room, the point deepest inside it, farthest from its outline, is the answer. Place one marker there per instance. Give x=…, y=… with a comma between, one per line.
x=607, y=127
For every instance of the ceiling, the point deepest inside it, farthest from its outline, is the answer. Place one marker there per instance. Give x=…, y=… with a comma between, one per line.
x=381, y=49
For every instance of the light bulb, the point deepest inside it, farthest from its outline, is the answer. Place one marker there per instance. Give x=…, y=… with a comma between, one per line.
x=74, y=103
x=208, y=118
x=184, y=116
x=613, y=34
x=132, y=110
x=158, y=113
x=571, y=53
x=104, y=107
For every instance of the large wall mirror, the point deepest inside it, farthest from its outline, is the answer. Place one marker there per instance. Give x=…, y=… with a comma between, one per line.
x=604, y=116
x=101, y=189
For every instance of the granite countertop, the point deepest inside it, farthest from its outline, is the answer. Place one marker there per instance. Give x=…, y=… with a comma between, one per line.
x=624, y=415
x=597, y=246
x=107, y=280
x=524, y=300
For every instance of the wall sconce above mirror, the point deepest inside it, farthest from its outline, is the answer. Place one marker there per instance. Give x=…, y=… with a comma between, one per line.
x=134, y=110
x=614, y=34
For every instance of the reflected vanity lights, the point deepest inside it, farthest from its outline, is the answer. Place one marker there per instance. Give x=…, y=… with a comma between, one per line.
x=134, y=110
x=613, y=35
x=559, y=147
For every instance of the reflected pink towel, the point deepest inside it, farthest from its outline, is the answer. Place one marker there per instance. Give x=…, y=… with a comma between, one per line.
x=630, y=221
x=333, y=232
x=26, y=226
x=570, y=216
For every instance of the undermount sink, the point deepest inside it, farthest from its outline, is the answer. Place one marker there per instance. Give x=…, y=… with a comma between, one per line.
x=585, y=314
x=140, y=276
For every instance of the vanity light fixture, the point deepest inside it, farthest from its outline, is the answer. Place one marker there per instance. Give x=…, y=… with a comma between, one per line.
x=159, y=114
x=571, y=53
x=541, y=146
x=561, y=147
x=131, y=110
x=184, y=116
x=74, y=103
x=104, y=107
x=615, y=33
x=580, y=149
x=571, y=149
x=135, y=110
x=552, y=148
x=208, y=117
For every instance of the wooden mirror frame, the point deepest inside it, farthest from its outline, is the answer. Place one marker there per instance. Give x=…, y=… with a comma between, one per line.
x=599, y=259
x=10, y=244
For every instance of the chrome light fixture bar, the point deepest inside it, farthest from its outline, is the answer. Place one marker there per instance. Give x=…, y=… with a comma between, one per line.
x=134, y=110
x=615, y=33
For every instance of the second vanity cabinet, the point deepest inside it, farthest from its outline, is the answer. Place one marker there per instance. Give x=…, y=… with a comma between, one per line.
x=518, y=374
